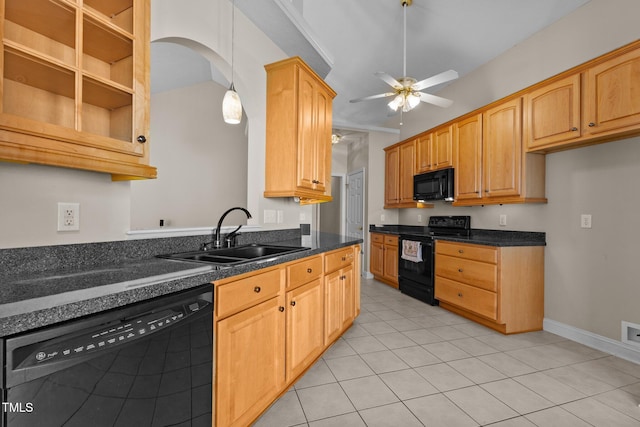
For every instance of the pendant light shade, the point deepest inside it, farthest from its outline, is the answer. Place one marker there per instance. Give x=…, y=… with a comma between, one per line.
x=231, y=105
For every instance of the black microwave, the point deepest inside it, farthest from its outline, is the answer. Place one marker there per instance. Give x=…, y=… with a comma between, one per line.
x=436, y=185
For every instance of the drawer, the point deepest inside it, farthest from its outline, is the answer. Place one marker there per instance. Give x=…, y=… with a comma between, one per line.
x=377, y=238
x=235, y=296
x=391, y=240
x=304, y=271
x=478, y=301
x=337, y=259
x=468, y=251
x=479, y=274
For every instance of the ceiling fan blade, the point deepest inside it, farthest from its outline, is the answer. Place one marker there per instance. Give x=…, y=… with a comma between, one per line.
x=367, y=98
x=435, y=100
x=435, y=80
x=389, y=80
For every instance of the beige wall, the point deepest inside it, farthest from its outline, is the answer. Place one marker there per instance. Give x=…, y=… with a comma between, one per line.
x=590, y=276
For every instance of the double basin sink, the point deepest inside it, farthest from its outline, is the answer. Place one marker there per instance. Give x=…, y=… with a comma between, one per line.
x=236, y=255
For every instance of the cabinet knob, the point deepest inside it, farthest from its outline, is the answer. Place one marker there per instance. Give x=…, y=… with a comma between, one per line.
x=344, y=258
x=459, y=270
x=460, y=294
x=293, y=303
x=281, y=309
x=592, y=124
x=460, y=251
x=141, y=139
x=257, y=289
x=309, y=270
x=574, y=129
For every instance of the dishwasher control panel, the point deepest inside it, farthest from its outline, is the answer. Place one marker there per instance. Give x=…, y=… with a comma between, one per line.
x=115, y=334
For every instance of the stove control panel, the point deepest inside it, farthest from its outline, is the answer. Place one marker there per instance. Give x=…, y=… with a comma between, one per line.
x=456, y=222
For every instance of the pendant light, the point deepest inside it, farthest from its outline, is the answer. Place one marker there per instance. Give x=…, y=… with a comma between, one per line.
x=231, y=105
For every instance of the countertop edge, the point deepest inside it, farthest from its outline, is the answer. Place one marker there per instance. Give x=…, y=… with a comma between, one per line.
x=42, y=317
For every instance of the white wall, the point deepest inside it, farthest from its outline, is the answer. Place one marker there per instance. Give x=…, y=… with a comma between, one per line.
x=590, y=276
x=201, y=161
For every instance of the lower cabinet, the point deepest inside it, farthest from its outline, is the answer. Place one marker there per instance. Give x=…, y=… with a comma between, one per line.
x=383, y=262
x=271, y=325
x=499, y=287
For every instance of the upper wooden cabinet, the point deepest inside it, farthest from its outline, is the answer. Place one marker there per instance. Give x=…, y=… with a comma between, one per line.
x=298, y=144
x=594, y=103
x=434, y=150
x=400, y=164
x=612, y=99
x=75, y=87
x=491, y=166
x=467, y=158
x=553, y=113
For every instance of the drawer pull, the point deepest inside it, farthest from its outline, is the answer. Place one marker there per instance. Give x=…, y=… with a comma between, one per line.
x=460, y=294
x=460, y=251
x=344, y=258
x=293, y=303
x=309, y=270
x=281, y=309
x=459, y=270
x=257, y=289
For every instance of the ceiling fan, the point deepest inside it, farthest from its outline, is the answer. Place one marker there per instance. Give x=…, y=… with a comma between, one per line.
x=406, y=90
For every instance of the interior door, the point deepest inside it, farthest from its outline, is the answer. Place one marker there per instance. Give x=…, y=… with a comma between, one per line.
x=355, y=206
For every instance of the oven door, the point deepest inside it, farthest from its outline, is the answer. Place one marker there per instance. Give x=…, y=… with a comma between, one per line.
x=415, y=277
x=420, y=271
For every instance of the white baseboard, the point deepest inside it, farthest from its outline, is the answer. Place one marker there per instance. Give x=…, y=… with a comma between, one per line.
x=616, y=348
x=367, y=275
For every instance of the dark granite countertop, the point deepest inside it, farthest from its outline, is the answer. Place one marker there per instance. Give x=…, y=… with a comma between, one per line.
x=478, y=236
x=39, y=288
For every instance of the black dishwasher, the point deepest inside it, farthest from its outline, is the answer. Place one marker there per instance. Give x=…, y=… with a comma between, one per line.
x=145, y=364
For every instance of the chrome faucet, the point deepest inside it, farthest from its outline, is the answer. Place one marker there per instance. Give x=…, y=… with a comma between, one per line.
x=217, y=242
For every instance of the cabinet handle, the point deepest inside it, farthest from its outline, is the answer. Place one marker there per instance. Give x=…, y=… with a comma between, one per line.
x=281, y=309
x=460, y=251
x=574, y=129
x=141, y=139
x=257, y=289
x=293, y=303
x=344, y=258
x=309, y=270
x=592, y=124
x=315, y=181
x=459, y=270
x=460, y=294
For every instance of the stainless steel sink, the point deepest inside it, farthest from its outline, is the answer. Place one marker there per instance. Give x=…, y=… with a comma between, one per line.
x=236, y=255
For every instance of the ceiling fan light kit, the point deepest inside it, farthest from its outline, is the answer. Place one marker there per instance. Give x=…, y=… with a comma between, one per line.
x=406, y=90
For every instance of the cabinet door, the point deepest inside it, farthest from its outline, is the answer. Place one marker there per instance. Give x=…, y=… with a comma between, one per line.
x=348, y=295
x=391, y=174
x=441, y=152
x=307, y=139
x=423, y=153
x=391, y=263
x=333, y=306
x=553, y=113
x=407, y=165
x=250, y=354
x=323, y=104
x=376, y=260
x=305, y=337
x=612, y=100
x=502, y=149
x=468, y=158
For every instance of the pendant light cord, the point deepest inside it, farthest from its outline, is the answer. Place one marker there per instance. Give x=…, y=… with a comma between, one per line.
x=404, y=52
x=233, y=22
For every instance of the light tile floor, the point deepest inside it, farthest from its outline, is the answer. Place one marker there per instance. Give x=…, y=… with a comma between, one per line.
x=405, y=363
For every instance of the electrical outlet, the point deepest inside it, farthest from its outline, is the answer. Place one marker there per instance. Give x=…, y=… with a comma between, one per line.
x=585, y=221
x=419, y=218
x=503, y=220
x=68, y=216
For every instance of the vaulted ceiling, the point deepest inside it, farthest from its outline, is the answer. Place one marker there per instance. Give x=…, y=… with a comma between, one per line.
x=347, y=41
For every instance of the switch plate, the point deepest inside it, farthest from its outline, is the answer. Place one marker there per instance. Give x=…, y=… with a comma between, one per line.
x=503, y=220
x=585, y=221
x=68, y=216
x=419, y=218
x=270, y=216
x=280, y=215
